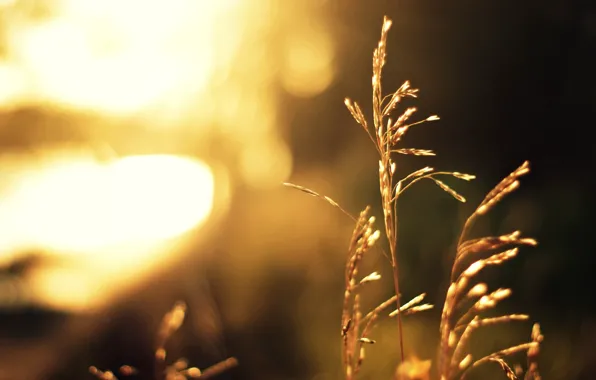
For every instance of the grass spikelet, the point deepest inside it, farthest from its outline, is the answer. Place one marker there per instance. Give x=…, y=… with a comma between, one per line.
x=466, y=301
x=178, y=370
x=453, y=340
x=449, y=190
x=505, y=367
x=412, y=306
x=102, y=375
x=170, y=323
x=414, y=152
x=385, y=137
x=533, y=352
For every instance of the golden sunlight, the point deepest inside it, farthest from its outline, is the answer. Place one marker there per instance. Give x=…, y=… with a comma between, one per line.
x=106, y=220
x=186, y=77
x=84, y=205
x=114, y=56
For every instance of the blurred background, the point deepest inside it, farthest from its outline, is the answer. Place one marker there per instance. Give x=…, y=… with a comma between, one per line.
x=144, y=143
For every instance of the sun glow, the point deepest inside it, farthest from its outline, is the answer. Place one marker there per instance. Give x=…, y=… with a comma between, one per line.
x=109, y=219
x=115, y=56
x=176, y=76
